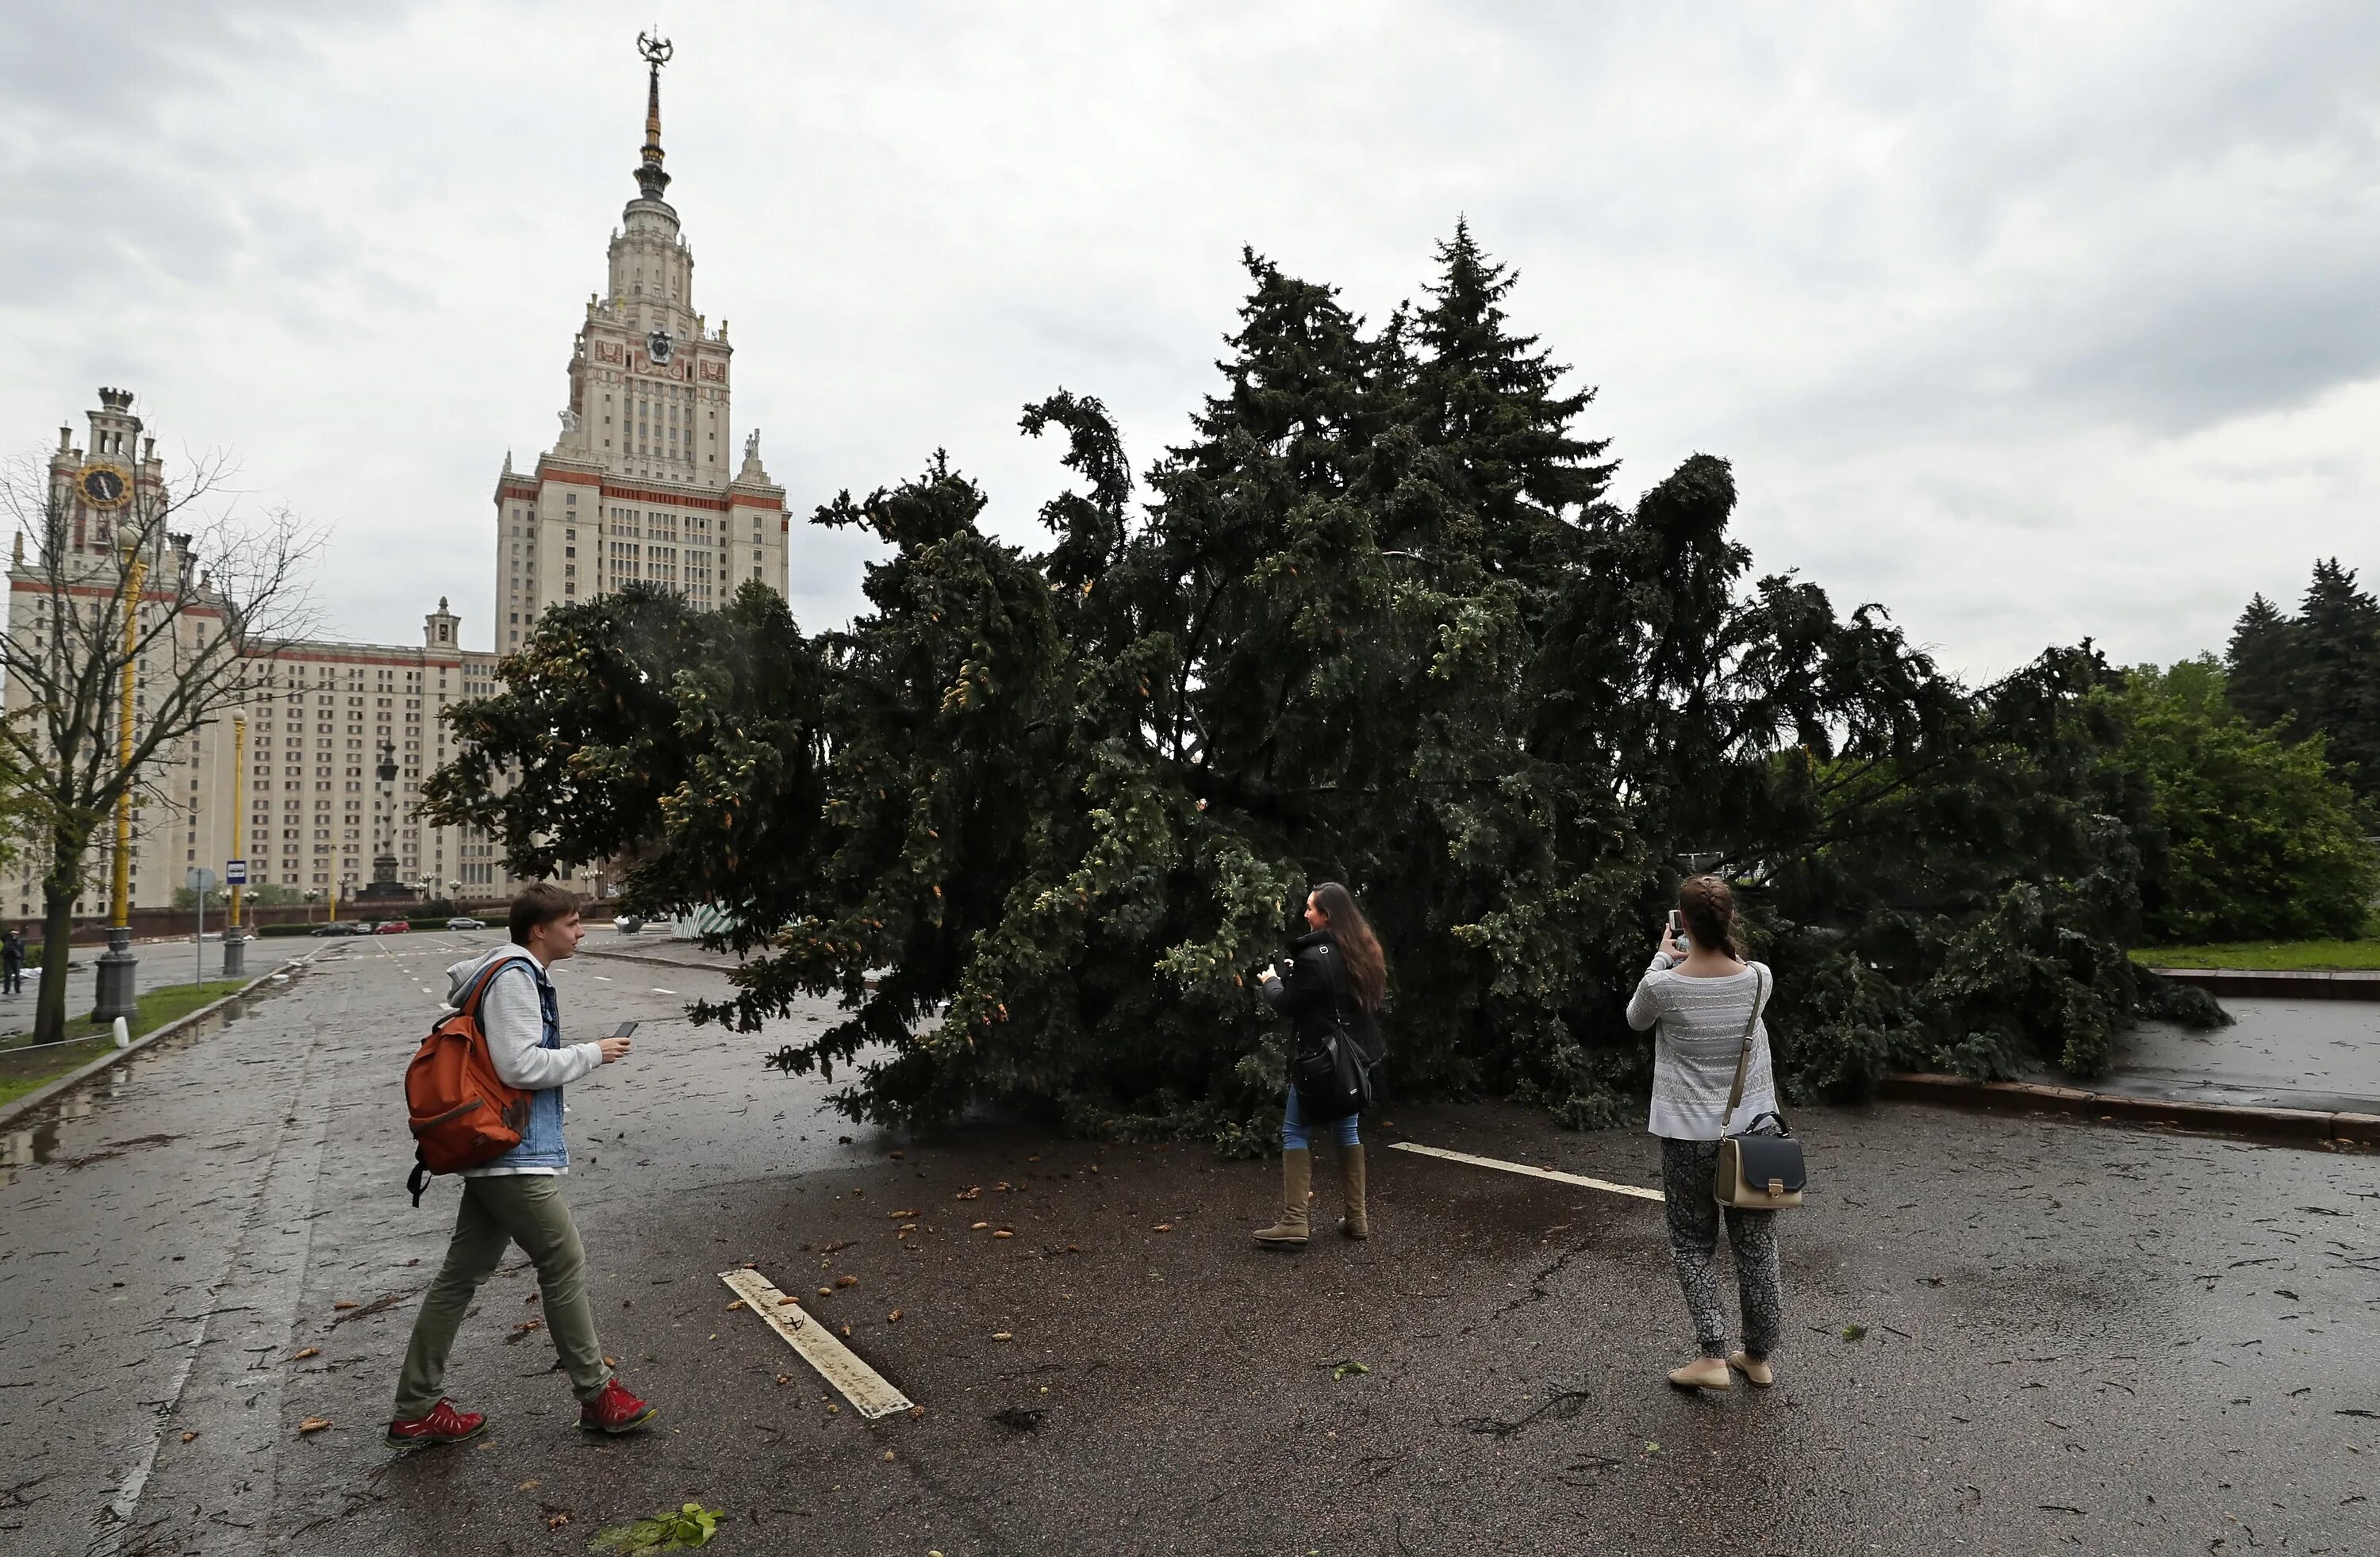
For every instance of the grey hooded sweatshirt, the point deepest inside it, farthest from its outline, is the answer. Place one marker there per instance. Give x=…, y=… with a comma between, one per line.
x=514, y=1020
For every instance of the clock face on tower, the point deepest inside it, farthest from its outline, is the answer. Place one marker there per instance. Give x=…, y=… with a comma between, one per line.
x=103, y=486
x=658, y=345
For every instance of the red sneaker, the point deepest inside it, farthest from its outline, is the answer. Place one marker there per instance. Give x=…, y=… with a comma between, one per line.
x=443, y=1425
x=615, y=1410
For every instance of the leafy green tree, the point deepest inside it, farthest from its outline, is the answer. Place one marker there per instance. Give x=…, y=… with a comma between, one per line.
x=2261, y=843
x=1031, y=817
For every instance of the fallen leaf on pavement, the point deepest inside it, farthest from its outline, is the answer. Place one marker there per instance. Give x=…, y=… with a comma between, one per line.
x=1003, y=1232
x=1001, y=1335
x=345, y=1305
x=310, y=1351
x=894, y=1317
x=558, y=1520
x=313, y=1424
x=526, y=1486
x=979, y=1226
x=1165, y=1227
x=737, y=1304
x=897, y=1216
x=970, y=1192
x=189, y=1436
x=826, y=1291
x=846, y=1281
x=785, y=1378
x=782, y=1301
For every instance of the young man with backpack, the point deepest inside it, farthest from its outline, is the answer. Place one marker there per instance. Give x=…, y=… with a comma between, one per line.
x=517, y=1197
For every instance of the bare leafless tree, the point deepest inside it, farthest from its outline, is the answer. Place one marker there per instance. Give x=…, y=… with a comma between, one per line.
x=217, y=590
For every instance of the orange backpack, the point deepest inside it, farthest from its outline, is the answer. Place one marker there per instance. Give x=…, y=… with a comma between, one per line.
x=462, y=1113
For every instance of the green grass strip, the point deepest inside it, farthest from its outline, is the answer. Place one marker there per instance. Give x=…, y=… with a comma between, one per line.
x=23, y=1070
x=2265, y=956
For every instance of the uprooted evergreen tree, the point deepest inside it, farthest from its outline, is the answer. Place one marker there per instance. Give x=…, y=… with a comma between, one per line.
x=1032, y=817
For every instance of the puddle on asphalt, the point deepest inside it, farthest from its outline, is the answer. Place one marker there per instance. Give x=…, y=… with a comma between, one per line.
x=63, y=1127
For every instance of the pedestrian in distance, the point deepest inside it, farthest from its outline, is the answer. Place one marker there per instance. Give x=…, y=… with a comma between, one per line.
x=1700, y=995
x=1335, y=981
x=517, y=1198
x=12, y=962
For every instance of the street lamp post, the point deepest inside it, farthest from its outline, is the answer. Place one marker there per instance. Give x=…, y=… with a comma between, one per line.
x=235, y=956
x=114, y=994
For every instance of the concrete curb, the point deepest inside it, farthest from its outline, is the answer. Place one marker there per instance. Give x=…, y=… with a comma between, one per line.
x=11, y=1112
x=2304, y=983
x=2302, y=1127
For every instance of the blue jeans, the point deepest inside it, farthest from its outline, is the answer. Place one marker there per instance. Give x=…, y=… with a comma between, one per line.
x=1293, y=1137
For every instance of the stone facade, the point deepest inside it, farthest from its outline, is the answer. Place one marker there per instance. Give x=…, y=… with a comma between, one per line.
x=644, y=484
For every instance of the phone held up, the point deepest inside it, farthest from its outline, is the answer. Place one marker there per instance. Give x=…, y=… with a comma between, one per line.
x=623, y=1030
x=1677, y=935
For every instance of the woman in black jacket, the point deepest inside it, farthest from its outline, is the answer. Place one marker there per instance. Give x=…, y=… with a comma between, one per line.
x=1336, y=978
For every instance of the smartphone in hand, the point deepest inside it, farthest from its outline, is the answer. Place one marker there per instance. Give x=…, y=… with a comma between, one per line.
x=623, y=1030
x=1677, y=928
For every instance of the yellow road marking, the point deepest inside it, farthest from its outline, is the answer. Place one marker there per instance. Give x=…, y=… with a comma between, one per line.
x=862, y=1385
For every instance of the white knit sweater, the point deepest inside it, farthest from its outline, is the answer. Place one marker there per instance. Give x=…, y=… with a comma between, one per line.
x=1699, y=1034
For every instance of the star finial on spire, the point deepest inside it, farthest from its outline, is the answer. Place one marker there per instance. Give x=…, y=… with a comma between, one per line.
x=651, y=179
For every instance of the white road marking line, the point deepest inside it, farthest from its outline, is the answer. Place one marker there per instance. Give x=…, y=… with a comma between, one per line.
x=659, y=990
x=1526, y=1170
x=862, y=1385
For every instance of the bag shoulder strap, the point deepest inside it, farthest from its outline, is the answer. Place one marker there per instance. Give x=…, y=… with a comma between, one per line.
x=1744, y=1057
x=479, y=993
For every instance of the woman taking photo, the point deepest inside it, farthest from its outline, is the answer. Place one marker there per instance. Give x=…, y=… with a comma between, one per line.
x=1336, y=978
x=1700, y=995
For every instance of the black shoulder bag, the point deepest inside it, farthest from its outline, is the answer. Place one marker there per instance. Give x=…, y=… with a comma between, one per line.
x=1760, y=1169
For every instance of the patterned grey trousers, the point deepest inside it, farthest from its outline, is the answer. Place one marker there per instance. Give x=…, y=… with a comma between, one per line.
x=1693, y=1218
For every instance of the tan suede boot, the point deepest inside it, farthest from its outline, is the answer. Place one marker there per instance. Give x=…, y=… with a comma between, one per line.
x=1296, y=1189
x=1704, y=1373
x=1355, y=1223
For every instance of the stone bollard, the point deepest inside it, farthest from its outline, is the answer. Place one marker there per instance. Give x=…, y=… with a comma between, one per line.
x=234, y=962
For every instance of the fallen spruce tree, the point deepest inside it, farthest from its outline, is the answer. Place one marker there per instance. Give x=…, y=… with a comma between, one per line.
x=1034, y=813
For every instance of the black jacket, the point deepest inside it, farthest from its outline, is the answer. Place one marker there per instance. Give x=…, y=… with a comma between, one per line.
x=1313, y=995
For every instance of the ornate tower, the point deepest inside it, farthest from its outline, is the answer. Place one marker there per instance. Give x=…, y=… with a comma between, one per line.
x=643, y=484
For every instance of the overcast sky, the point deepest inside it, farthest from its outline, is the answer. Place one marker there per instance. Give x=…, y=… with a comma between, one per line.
x=2027, y=320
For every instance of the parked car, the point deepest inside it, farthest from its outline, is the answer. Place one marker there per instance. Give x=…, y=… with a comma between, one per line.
x=629, y=923
x=335, y=927
x=464, y=921
x=391, y=927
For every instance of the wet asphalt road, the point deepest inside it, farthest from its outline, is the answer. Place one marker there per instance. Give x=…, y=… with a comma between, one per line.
x=2068, y=1338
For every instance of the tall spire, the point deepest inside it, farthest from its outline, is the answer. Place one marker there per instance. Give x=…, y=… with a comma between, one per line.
x=651, y=179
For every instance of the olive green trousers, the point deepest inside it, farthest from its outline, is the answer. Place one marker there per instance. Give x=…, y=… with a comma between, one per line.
x=524, y=1209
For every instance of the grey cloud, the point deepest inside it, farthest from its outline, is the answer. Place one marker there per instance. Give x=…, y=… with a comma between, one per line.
x=1955, y=285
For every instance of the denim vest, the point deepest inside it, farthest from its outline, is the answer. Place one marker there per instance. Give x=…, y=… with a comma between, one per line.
x=541, y=1144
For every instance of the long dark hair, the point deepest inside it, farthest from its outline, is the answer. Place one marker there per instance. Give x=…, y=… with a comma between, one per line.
x=1367, y=971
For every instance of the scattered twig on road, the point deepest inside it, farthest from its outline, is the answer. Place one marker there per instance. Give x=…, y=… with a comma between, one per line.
x=1563, y=1405
x=377, y=1305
